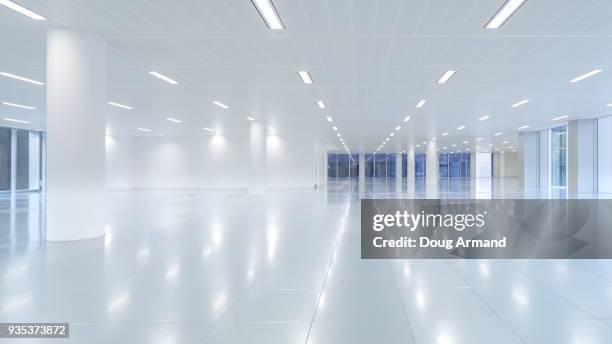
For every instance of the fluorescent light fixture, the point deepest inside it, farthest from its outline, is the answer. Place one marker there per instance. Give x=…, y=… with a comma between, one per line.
x=609, y=105
x=483, y=118
x=271, y=129
x=522, y=102
x=335, y=128
x=497, y=134
x=560, y=118
x=506, y=142
x=16, y=120
x=120, y=105
x=465, y=142
x=406, y=119
x=523, y=127
x=421, y=103
x=173, y=120
x=208, y=129
x=250, y=118
x=144, y=129
x=18, y=8
x=338, y=134
x=445, y=147
x=461, y=127
x=584, y=76
x=305, y=76
x=392, y=134
x=387, y=139
x=398, y=128
x=329, y=119
x=446, y=76
x=418, y=145
x=454, y=145
x=163, y=77
x=19, y=106
x=444, y=134
x=268, y=13
x=17, y=77
x=321, y=104
x=479, y=139
x=504, y=13
x=221, y=105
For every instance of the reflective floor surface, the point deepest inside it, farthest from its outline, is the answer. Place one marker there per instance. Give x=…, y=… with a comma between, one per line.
x=200, y=266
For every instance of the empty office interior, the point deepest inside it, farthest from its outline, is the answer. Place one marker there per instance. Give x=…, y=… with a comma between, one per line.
x=192, y=171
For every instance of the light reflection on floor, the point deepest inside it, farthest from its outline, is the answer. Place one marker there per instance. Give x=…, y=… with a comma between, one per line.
x=203, y=266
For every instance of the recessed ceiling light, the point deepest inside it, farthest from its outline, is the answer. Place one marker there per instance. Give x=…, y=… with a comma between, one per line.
x=392, y=134
x=465, y=142
x=335, y=128
x=305, y=76
x=16, y=120
x=484, y=118
x=522, y=102
x=446, y=76
x=144, y=129
x=418, y=145
x=506, y=142
x=219, y=104
x=398, y=128
x=163, y=77
x=268, y=13
x=584, y=76
x=120, y=105
x=173, y=120
x=17, y=77
x=560, y=118
x=523, y=127
x=467, y=149
x=387, y=139
x=445, y=147
x=19, y=106
x=505, y=12
x=421, y=103
x=18, y=8
x=250, y=118
x=338, y=134
x=454, y=145
x=329, y=119
x=444, y=134
x=461, y=127
x=321, y=104
x=479, y=139
x=406, y=119
x=433, y=138
x=424, y=142
x=208, y=129
x=497, y=134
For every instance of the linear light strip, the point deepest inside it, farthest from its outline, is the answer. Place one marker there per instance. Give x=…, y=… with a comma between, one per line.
x=268, y=13
x=120, y=105
x=163, y=77
x=446, y=76
x=504, y=13
x=17, y=77
x=587, y=75
x=16, y=120
x=305, y=76
x=219, y=104
x=19, y=106
x=20, y=9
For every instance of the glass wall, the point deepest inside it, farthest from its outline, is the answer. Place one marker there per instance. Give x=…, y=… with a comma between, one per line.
x=369, y=167
x=28, y=159
x=342, y=166
x=5, y=159
x=404, y=165
x=380, y=165
x=419, y=165
x=559, y=157
x=454, y=165
x=391, y=162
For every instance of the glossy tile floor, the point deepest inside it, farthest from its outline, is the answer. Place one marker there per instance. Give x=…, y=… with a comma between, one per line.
x=224, y=267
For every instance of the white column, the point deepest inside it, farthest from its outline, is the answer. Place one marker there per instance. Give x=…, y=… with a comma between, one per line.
x=431, y=165
x=604, y=155
x=13, y=164
x=581, y=157
x=410, y=173
x=528, y=160
x=545, y=159
x=362, y=168
x=76, y=103
x=257, y=158
x=34, y=161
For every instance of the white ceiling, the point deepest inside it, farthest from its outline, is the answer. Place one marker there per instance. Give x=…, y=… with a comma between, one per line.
x=371, y=62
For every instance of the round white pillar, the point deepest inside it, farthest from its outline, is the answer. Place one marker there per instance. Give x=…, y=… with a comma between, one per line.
x=257, y=158
x=76, y=98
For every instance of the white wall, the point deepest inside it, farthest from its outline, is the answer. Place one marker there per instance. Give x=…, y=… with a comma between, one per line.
x=119, y=162
x=505, y=165
x=206, y=162
x=528, y=159
x=581, y=157
x=482, y=165
x=604, y=154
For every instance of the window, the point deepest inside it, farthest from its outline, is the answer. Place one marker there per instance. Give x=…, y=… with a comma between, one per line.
x=391, y=165
x=354, y=166
x=5, y=159
x=369, y=167
x=332, y=166
x=559, y=157
x=443, y=165
x=404, y=165
x=454, y=165
x=419, y=165
x=380, y=165
x=343, y=165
